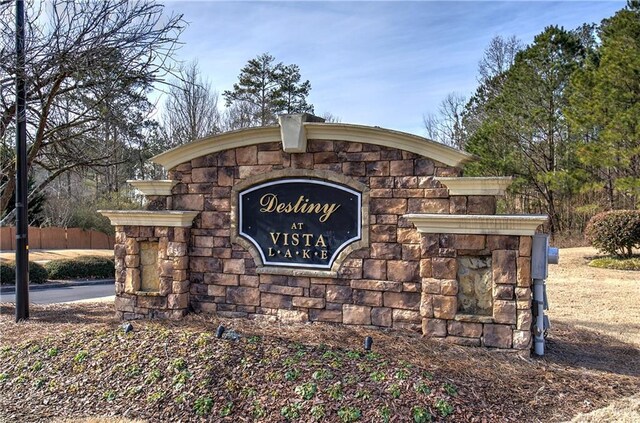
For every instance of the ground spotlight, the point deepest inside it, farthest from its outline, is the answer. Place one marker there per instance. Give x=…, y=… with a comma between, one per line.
x=220, y=331
x=368, y=342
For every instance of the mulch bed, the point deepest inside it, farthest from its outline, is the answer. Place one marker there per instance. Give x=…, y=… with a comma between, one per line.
x=74, y=360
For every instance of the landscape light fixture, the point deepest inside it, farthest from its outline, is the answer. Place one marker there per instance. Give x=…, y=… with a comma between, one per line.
x=368, y=342
x=220, y=331
x=127, y=327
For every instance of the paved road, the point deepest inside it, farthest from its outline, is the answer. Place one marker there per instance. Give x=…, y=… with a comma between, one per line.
x=63, y=295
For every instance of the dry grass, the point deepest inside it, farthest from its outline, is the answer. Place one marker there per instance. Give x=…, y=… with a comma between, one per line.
x=604, y=301
x=626, y=410
x=45, y=255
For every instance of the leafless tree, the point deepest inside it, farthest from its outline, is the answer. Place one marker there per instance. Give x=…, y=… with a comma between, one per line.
x=85, y=61
x=191, y=108
x=446, y=126
x=498, y=57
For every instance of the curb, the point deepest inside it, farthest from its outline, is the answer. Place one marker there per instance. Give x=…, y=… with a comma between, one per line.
x=58, y=284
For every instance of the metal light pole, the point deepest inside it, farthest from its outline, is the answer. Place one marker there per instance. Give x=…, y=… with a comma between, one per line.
x=22, y=228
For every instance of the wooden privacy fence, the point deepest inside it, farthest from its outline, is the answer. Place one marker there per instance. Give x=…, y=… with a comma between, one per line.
x=57, y=239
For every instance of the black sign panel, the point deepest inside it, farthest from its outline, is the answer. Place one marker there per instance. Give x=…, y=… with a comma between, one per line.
x=300, y=222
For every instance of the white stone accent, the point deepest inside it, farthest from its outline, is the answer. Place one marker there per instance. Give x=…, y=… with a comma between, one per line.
x=150, y=218
x=294, y=137
x=476, y=186
x=522, y=225
x=150, y=187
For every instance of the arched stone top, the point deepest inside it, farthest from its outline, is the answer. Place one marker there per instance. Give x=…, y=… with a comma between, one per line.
x=388, y=138
x=294, y=140
x=228, y=140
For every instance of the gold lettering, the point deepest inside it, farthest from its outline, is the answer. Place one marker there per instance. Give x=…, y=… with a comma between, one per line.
x=323, y=254
x=320, y=242
x=305, y=254
x=287, y=254
x=295, y=239
x=270, y=204
x=274, y=237
x=286, y=239
x=307, y=239
x=271, y=253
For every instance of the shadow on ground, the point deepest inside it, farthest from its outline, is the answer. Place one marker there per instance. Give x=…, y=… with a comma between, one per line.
x=578, y=347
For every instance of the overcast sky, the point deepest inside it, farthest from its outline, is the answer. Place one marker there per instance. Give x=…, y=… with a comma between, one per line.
x=373, y=63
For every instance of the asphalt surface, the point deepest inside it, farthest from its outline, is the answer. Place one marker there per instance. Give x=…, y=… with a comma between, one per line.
x=62, y=293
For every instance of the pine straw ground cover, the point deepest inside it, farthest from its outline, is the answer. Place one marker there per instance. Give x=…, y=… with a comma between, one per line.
x=73, y=360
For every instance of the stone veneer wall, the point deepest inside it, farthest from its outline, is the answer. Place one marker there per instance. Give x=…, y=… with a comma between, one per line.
x=171, y=300
x=404, y=279
x=509, y=326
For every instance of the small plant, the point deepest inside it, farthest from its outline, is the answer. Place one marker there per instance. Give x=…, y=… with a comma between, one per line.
x=322, y=374
x=444, y=407
x=3, y=376
x=203, y=405
x=37, y=366
x=306, y=390
x=329, y=355
x=318, y=412
x=292, y=375
x=384, y=413
x=427, y=375
x=364, y=394
x=52, y=352
x=80, y=356
x=353, y=354
x=421, y=415
x=422, y=388
x=258, y=411
x=133, y=371
x=254, y=339
x=349, y=414
x=401, y=374
x=227, y=409
x=291, y=411
x=394, y=390
x=155, y=397
x=39, y=382
x=450, y=389
x=34, y=348
x=335, y=391
x=377, y=376
x=181, y=379
x=109, y=395
x=154, y=376
x=179, y=364
x=203, y=339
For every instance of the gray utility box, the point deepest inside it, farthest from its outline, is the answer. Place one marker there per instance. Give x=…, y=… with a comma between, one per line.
x=542, y=256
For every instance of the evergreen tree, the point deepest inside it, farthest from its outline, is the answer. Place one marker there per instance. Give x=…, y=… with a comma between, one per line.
x=268, y=88
x=604, y=109
x=524, y=132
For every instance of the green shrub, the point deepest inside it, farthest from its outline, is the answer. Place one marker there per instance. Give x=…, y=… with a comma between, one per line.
x=37, y=273
x=615, y=232
x=83, y=267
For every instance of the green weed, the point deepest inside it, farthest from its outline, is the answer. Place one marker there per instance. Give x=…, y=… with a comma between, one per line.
x=203, y=405
x=444, y=407
x=349, y=414
x=421, y=415
x=307, y=390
